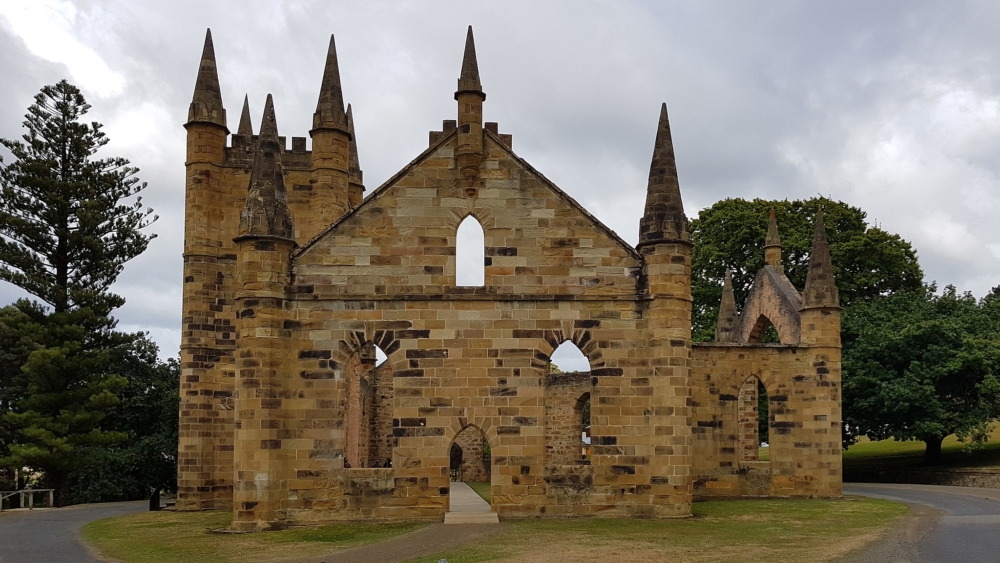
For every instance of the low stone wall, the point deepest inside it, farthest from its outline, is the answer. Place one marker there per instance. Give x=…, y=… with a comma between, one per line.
x=986, y=478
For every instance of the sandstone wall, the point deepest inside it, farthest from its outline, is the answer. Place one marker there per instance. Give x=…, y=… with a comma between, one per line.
x=803, y=386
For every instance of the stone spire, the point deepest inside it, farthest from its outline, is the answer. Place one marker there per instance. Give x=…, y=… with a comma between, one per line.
x=266, y=211
x=725, y=330
x=206, y=104
x=330, y=112
x=355, y=176
x=468, y=81
x=772, y=231
x=664, y=219
x=245, y=128
x=821, y=289
x=772, y=244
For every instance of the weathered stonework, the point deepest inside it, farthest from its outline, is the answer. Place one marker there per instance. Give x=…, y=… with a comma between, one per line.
x=286, y=419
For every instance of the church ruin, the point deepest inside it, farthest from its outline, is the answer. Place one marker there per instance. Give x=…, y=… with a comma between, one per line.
x=292, y=278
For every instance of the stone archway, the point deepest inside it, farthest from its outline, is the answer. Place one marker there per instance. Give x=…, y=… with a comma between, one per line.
x=470, y=456
x=470, y=489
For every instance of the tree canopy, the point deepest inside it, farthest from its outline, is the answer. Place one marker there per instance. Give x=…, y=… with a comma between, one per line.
x=867, y=261
x=918, y=365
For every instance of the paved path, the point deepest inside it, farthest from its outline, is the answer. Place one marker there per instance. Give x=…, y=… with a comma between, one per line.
x=467, y=507
x=947, y=525
x=53, y=534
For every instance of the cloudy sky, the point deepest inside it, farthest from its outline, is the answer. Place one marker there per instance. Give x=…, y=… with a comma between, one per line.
x=890, y=106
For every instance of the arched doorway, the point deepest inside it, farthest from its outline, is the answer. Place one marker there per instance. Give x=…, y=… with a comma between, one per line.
x=470, y=491
x=470, y=457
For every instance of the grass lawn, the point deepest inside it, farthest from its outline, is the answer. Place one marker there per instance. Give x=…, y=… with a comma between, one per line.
x=160, y=537
x=482, y=489
x=899, y=455
x=772, y=531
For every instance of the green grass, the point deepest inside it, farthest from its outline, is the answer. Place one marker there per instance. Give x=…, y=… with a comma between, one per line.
x=890, y=454
x=162, y=537
x=482, y=489
x=747, y=530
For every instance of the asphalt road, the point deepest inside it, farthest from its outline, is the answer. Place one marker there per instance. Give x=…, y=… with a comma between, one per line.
x=53, y=535
x=950, y=525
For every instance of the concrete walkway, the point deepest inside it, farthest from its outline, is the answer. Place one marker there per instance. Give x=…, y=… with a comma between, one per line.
x=467, y=507
x=53, y=534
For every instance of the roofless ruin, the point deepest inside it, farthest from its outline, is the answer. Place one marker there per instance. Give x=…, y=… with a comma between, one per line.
x=292, y=278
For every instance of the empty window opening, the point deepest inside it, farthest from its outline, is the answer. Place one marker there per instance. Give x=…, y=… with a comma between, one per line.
x=763, y=424
x=583, y=415
x=753, y=421
x=763, y=332
x=770, y=336
x=368, y=422
x=567, y=358
x=470, y=254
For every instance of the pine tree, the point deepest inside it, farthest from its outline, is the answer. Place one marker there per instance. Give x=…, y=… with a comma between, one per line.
x=65, y=234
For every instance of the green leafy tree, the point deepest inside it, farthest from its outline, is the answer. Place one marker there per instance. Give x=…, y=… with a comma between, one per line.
x=147, y=414
x=16, y=344
x=867, y=261
x=65, y=234
x=922, y=366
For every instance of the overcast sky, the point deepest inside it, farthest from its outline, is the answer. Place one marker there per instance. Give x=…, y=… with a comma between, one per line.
x=889, y=106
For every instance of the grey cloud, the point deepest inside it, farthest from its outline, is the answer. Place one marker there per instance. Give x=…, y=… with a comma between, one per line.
x=777, y=100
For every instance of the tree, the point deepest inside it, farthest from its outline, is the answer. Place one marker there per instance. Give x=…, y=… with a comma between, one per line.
x=16, y=344
x=147, y=414
x=867, y=261
x=65, y=235
x=922, y=366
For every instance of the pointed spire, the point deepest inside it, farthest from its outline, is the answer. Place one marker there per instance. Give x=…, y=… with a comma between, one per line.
x=725, y=330
x=772, y=231
x=354, y=172
x=330, y=112
x=772, y=244
x=245, y=128
x=266, y=211
x=664, y=218
x=821, y=288
x=206, y=104
x=468, y=81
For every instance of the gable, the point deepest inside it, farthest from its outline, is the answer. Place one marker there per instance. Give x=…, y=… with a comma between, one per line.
x=401, y=240
x=772, y=300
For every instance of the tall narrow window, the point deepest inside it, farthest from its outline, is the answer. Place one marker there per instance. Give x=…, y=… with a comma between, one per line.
x=568, y=358
x=470, y=254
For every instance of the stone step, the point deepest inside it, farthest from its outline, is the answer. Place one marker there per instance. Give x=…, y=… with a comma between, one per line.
x=471, y=518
